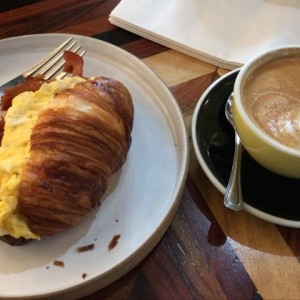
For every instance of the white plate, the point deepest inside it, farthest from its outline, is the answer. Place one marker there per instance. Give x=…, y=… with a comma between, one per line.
x=142, y=198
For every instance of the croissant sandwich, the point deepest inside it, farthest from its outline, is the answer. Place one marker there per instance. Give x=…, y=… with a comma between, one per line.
x=60, y=146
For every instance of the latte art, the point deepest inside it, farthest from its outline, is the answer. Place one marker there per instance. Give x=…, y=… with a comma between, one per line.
x=272, y=98
x=278, y=115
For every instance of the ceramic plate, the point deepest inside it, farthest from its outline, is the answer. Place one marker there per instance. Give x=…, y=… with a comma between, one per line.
x=142, y=197
x=268, y=196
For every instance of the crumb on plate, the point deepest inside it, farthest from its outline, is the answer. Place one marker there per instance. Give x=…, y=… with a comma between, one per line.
x=59, y=263
x=85, y=248
x=114, y=242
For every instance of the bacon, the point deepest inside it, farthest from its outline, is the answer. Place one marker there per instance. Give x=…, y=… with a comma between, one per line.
x=30, y=84
x=73, y=63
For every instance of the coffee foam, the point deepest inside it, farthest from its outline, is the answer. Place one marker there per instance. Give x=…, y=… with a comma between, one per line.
x=272, y=96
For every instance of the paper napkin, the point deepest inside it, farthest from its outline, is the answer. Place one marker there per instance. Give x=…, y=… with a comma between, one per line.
x=223, y=32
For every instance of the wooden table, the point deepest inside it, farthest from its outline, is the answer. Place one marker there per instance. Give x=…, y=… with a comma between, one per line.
x=208, y=252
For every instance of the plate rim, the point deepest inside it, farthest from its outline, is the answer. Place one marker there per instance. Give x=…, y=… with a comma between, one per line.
x=89, y=286
x=218, y=185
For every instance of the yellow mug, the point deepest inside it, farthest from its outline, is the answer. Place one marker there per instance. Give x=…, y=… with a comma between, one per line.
x=265, y=109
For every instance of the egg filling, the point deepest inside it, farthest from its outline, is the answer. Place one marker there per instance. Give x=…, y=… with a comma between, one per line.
x=20, y=119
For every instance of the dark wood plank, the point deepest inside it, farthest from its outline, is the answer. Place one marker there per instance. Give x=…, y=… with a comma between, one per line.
x=58, y=16
x=188, y=93
x=219, y=260
x=14, y=4
x=142, y=48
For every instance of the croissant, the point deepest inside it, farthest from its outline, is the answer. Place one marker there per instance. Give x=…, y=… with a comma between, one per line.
x=79, y=141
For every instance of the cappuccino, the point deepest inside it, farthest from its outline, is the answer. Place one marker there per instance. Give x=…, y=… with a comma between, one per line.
x=271, y=97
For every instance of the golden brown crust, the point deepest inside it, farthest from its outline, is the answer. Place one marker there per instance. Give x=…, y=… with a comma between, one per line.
x=79, y=141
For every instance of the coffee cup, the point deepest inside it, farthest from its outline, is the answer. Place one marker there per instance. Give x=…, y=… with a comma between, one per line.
x=266, y=109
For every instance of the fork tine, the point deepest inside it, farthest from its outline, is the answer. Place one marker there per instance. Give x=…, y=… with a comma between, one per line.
x=54, y=60
x=57, y=64
x=42, y=62
x=48, y=66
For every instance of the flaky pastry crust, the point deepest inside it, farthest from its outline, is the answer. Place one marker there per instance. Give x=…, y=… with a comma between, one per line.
x=79, y=141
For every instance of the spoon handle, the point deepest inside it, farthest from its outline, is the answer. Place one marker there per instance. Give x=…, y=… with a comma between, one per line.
x=233, y=193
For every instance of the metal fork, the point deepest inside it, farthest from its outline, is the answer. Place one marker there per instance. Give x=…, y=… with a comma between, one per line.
x=49, y=66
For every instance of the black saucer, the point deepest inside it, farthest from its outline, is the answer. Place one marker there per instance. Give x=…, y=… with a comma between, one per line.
x=267, y=195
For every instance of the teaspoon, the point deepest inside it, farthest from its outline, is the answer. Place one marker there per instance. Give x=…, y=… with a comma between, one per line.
x=233, y=197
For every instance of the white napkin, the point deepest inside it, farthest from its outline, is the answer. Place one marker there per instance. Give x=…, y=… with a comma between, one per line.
x=224, y=32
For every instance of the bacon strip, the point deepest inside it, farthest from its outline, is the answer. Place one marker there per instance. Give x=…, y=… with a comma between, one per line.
x=73, y=63
x=30, y=84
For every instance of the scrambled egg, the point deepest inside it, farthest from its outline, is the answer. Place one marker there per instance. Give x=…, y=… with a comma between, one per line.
x=14, y=151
